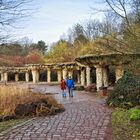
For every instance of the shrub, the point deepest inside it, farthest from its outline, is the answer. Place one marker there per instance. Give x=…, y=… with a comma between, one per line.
x=126, y=92
x=78, y=87
x=134, y=114
x=91, y=88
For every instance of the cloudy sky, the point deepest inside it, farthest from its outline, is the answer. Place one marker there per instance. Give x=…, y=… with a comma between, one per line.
x=52, y=18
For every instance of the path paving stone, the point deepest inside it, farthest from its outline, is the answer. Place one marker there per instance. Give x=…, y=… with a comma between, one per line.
x=86, y=118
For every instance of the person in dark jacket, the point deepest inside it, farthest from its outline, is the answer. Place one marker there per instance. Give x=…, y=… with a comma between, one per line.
x=70, y=86
x=63, y=87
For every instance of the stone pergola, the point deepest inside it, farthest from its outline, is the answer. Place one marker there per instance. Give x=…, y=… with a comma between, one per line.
x=102, y=64
x=63, y=71
x=81, y=68
x=16, y=70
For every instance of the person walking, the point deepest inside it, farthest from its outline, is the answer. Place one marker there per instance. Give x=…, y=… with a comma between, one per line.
x=63, y=88
x=70, y=86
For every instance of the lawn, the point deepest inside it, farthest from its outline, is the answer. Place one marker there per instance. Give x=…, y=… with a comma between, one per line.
x=8, y=124
x=123, y=128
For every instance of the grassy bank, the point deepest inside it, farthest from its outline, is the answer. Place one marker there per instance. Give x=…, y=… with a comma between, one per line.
x=8, y=124
x=123, y=127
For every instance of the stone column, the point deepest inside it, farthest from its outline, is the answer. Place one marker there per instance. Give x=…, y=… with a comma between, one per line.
x=99, y=77
x=59, y=75
x=35, y=75
x=5, y=76
x=27, y=76
x=88, y=75
x=83, y=77
x=119, y=72
x=78, y=77
x=64, y=72
x=49, y=75
x=70, y=73
x=105, y=76
x=16, y=77
x=2, y=76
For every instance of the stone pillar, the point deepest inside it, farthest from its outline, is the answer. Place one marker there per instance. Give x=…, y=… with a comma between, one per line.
x=27, y=76
x=70, y=73
x=5, y=76
x=35, y=75
x=105, y=77
x=83, y=77
x=49, y=75
x=2, y=76
x=119, y=72
x=64, y=72
x=88, y=79
x=16, y=77
x=59, y=75
x=99, y=77
x=78, y=77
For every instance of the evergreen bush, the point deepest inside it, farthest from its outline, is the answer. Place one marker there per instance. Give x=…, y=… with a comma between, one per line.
x=126, y=93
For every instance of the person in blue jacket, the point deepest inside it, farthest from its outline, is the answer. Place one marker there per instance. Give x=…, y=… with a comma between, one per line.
x=70, y=86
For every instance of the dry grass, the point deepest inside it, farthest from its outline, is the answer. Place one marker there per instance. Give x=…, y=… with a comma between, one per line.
x=11, y=96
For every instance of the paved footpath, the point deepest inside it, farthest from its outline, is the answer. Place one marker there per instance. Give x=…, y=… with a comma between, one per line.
x=86, y=118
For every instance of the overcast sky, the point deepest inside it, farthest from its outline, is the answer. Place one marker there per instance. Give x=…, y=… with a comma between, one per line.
x=52, y=18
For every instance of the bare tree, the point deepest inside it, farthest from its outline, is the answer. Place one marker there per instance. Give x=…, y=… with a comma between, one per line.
x=10, y=12
x=74, y=32
x=136, y=9
x=25, y=42
x=92, y=29
x=127, y=17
